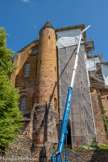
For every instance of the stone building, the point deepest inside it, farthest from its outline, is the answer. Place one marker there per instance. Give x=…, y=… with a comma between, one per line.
x=43, y=76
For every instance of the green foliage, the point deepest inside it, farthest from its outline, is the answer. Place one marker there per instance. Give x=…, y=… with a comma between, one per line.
x=92, y=147
x=102, y=147
x=10, y=116
x=5, y=54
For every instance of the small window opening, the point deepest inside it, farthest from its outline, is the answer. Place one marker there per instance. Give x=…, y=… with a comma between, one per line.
x=107, y=98
x=34, y=51
x=49, y=37
x=23, y=104
x=55, y=102
x=27, y=70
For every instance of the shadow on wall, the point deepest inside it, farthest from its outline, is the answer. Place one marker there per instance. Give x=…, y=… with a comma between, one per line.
x=42, y=155
x=100, y=156
x=87, y=155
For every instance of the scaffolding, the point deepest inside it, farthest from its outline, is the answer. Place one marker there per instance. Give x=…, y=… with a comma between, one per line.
x=81, y=115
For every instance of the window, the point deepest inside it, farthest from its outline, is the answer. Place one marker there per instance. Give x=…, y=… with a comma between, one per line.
x=23, y=104
x=107, y=98
x=34, y=51
x=27, y=70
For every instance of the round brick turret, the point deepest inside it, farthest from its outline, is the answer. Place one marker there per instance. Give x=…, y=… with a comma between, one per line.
x=47, y=66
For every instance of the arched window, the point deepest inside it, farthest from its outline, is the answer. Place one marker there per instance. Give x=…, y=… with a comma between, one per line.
x=23, y=105
x=27, y=70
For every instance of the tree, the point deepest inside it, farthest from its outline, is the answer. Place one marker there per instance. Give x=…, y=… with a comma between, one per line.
x=10, y=116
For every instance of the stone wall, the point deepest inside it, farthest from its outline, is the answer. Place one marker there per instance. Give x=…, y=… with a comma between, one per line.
x=46, y=131
x=21, y=151
x=100, y=129
x=104, y=99
x=39, y=136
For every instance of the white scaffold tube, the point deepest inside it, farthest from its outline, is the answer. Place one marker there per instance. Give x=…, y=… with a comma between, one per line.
x=76, y=59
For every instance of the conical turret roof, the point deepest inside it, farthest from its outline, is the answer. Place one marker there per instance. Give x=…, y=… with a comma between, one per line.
x=48, y=25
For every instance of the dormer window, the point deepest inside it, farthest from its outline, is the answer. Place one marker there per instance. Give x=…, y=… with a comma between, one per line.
x=34, y=51
x=23, y=105
x=27, y=70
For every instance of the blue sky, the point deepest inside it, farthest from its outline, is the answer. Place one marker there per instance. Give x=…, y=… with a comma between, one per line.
x=23, y=19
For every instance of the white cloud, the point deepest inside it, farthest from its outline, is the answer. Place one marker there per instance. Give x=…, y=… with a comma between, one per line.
x=26, y=1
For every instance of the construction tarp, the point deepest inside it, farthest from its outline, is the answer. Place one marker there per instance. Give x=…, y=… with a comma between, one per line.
x=91, y=63
x=105, y=72
x=68, y=38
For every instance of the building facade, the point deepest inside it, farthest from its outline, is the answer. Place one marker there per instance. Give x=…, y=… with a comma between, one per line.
x=43, y=75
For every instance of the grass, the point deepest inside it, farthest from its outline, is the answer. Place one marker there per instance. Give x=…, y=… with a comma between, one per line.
x=103, y=147
x=92, y=147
